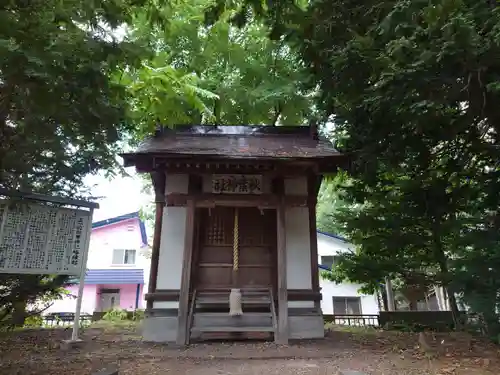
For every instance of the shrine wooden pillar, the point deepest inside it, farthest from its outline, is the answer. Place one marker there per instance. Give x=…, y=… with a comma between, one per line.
x=183, y=330
x=282, y=282
x=282, y=287
x=183, y=313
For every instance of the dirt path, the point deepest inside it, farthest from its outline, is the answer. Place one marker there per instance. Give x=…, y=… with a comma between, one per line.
x=37, y=353
x=366, y=365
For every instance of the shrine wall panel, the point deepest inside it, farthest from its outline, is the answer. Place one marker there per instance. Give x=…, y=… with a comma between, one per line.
x=296, y=186
x=172, y=240
x=298, y=249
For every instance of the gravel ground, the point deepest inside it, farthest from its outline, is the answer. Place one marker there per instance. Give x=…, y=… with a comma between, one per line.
x=37, y=352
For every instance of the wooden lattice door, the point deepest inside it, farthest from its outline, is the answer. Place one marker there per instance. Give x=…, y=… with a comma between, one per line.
x=256, y=250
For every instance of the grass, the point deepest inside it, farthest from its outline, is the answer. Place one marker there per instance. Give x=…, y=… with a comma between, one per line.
x=351, y=329
x=116, y=325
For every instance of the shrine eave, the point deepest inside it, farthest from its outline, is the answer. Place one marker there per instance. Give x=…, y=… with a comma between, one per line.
x=261, y=147
x=215, y=164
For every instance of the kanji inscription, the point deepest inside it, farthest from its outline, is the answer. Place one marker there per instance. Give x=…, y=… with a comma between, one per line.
x=40, y=239
x=237, y=184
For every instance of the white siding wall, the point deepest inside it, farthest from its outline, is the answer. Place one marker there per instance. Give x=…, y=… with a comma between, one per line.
x=298, y=249
x=103, y=241
x=332, y=246
x=329, y=290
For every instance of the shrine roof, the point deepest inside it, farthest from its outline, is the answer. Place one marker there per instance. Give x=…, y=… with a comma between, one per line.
x=237, y=142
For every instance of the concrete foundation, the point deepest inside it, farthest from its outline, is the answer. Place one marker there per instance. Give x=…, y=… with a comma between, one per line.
x=160, y=328
x=306, y=327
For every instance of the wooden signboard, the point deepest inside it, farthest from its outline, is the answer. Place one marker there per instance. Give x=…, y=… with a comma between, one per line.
x=236, y=184
x=37, y=239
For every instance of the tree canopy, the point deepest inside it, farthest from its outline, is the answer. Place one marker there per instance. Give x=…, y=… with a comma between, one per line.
x=413, y=87
x=216, y=74
x=62, y=114
x=213, y=74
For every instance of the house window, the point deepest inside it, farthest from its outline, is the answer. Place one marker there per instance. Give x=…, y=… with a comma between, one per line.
x=123, y=257
x=347, y=305
x=328, y=260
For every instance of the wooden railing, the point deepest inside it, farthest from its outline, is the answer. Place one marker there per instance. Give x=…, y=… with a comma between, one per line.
x=353, y=320
x=64, y=319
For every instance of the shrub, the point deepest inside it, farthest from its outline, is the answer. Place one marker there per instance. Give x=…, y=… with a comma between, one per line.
x=115, y=315
x=33, y=321
x=138, y=315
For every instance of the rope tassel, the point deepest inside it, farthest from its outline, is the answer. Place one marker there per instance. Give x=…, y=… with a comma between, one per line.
x=235, y=295
x=236, y=241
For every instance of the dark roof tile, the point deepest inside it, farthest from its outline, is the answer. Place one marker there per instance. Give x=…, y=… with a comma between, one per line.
x=281, y=142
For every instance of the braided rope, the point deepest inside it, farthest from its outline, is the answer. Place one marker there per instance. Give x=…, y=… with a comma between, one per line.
x=236, y=241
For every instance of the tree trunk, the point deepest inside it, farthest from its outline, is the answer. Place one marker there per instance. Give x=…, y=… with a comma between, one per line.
x=382, y=299
x=443, y=265
x=19, y=314
x=217, y=107
x=391, y=303
x=413, y=304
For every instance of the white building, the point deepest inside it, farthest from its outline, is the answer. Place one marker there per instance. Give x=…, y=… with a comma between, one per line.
x=342, y=298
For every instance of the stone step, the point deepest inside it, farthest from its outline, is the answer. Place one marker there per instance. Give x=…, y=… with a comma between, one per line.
x=226, y=314
x=212, y=319
x=225, y=293
x=225, y=300
x=232, y=329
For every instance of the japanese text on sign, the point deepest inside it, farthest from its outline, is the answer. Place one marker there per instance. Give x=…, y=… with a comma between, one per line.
x=37, y=239
x=237, y=184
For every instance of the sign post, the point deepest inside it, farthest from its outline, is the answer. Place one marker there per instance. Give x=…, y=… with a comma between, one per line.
x=45, y=235
x=81, y=285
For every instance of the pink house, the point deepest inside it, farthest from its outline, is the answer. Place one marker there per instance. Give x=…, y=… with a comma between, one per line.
x=117, y=267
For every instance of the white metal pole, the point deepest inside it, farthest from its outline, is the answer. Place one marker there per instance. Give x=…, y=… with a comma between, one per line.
x=81, y=286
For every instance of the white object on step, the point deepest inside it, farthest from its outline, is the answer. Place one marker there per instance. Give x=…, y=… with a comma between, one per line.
x=235, y=302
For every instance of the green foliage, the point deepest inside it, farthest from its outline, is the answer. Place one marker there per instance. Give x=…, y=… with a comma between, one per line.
x=217, y=74
x=434, y=326
x=413, y=89
x=162, y=93
x=138, y=315
x=115, y=315
x=61, y=115
x=20, y=291
x=33, y=321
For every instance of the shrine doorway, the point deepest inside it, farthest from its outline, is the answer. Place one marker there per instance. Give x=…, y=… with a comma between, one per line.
x=215, y=251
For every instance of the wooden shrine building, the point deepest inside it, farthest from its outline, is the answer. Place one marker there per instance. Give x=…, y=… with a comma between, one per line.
x=235, y=208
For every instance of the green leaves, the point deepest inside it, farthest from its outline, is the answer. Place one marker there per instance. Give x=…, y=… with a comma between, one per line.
x=164, y=94
x=60, y=113
x=219, y=73
x=414, y=92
